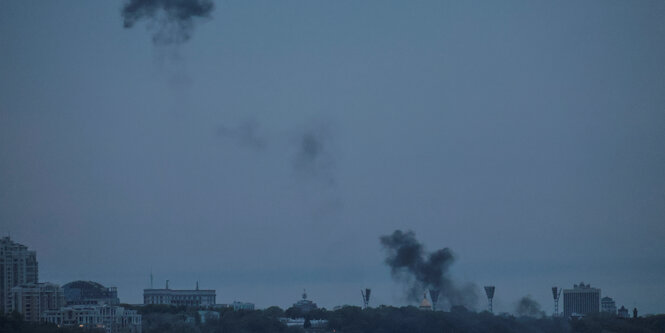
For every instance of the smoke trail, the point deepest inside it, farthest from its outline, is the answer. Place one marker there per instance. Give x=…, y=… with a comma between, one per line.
x=410, y=263
x=313, y=157
x=172, y=21
x=245, y=134
x=527, y=307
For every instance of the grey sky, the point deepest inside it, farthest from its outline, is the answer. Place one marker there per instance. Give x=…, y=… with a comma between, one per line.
x=527, y=136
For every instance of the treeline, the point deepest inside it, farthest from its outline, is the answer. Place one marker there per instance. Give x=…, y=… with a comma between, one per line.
x=384, y=319
x=411, y=319
x=387, y=319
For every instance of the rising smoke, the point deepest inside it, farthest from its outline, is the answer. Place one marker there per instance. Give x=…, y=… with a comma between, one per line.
x=528, y=307
x=420, y=271
x=313, y=158
x=246, y=134
x=171, y=21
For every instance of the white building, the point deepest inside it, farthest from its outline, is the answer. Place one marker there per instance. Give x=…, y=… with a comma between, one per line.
x=113, y=319
x=17, y=266
x=33, y=299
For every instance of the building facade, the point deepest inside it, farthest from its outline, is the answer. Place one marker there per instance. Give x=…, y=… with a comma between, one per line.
x=237, y=306
x=33, y=299
x=17, y=266
x=90, y=293
x=304, y=304
x=196, y=298
x=623, y=312
x=608, y=305
x=113, y=319
x=581, y=300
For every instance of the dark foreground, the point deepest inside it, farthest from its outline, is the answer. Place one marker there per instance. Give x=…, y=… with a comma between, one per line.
x=164, y=319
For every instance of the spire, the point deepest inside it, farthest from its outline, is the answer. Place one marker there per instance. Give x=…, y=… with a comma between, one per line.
x=197, y=285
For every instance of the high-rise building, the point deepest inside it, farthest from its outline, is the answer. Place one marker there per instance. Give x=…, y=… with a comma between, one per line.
x=581, y=300
x=17, y=266
x=33, y=299
x=608, y=305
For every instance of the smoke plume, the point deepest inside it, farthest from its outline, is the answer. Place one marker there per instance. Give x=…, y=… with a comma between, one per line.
x=313, y=157
x=171, y=21
x=527, y=307
x=245, y=134
x=421, y=271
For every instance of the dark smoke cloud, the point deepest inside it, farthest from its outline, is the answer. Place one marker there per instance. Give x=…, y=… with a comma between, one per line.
x=421, y=271
x=172, y=21
x=527, y=307
x=314, y=158
x=246, y=134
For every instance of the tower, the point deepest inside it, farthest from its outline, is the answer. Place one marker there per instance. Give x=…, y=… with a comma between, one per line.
x=434, y=295
x=365, y=293
x=556, y=293
x=18, y=266
x=489, y=291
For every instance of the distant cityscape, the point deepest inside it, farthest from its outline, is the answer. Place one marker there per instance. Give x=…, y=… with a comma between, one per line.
x=89, y=304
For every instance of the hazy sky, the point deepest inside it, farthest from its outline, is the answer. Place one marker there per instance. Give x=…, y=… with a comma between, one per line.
x=271, y=151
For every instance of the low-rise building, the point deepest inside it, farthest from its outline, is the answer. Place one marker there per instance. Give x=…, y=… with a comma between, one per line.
x=623, y=312
x=242, y=306
x=196, y=298
x=305, y=305
x=113, y=319
x=32, y=299
x=608, y=305
x=89, y=293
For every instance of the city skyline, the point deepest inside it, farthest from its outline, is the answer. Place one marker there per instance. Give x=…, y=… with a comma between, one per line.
x=153, y=290
x=270, y=147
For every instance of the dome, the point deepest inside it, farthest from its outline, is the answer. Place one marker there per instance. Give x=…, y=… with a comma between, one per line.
x=86, y=290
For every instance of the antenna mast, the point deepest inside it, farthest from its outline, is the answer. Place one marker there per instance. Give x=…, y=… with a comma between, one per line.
x=556, y=293
x=489, y=291
x=365, y=293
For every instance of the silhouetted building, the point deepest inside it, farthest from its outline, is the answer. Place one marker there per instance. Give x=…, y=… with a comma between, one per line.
x=17, y=266
x=33, y=299
x=304, y=304
x=581, y=300
x=179, y=297
x=89, y=293
x=623, y=312
x=242, y=306
x=113, y=319
x=634, y=312
x=608, y=305
x=425, y=304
